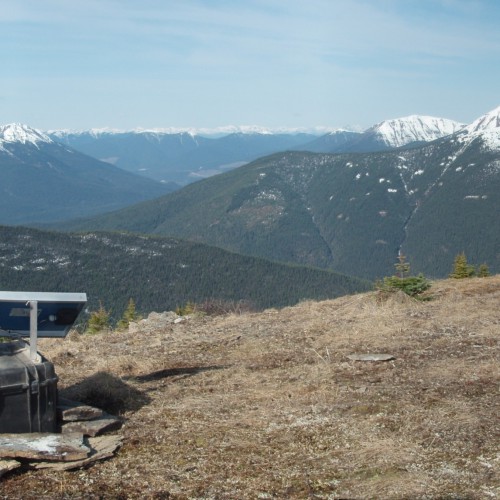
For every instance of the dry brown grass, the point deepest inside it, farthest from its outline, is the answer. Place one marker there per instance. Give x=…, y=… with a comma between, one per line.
x=269, y=406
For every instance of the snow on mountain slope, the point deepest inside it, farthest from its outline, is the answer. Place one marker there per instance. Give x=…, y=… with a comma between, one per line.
x=19, y=133
x=487, y=127
x=401, y=131
x=489, y=121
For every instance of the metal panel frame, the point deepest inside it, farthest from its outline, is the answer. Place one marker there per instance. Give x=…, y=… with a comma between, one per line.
x=29, y=302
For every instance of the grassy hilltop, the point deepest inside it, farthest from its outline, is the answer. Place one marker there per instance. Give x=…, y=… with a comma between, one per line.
x=269, y=404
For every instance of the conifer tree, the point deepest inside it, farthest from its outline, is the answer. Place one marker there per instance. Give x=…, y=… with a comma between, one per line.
x=129, y=315
x=402, y=267
x=411, y=285
x=99, y=320
x=460, y=267
x=483, y=271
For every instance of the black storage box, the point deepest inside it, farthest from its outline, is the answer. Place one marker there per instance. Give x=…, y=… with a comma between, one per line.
x=28, y=391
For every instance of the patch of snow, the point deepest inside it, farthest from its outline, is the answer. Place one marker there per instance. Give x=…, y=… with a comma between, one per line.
x=358, y=176
x=418, y=172
x=392, y=190
x=382, y=179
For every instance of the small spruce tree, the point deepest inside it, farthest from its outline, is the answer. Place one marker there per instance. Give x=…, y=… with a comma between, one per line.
x=402, y=267
x=129, y=315
x=461, y=269
x=483, y=271
x=411, y=285
x=185, y=310
x=99, y=320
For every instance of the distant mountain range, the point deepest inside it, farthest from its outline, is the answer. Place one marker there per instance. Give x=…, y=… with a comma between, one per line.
x=352, y=212
x=184, y=157
x=43, y=180
x=181, y=158
x=157, y=273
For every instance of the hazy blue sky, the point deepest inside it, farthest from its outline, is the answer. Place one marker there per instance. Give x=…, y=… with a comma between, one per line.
x=276, y=63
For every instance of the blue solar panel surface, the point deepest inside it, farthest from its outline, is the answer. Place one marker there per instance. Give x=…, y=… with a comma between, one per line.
x=57, y=312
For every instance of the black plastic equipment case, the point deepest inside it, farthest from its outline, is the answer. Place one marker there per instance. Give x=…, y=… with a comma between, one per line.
x=28, y=391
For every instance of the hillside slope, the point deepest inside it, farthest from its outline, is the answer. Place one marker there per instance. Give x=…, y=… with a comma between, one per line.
x=269, y=405
x=158, y=273
x=43, y=181
x=351, y=212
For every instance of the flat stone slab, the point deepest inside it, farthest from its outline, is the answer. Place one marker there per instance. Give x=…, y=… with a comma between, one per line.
x=371, y=357
x=71, y=411
x=44, y=446
x=94, y=427
x=102, y=447
x=8, y=465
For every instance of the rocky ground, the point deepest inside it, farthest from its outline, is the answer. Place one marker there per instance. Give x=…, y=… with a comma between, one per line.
x=270, y=405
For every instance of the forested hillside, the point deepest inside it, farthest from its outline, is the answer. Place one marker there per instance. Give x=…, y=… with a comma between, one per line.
x=157, y=273
x=352, y=212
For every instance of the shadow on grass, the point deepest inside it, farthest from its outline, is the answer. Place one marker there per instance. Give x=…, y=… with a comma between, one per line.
x=175, y=372
x=107, y=392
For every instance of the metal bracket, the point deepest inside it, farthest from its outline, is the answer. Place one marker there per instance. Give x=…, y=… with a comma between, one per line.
x=34, y=356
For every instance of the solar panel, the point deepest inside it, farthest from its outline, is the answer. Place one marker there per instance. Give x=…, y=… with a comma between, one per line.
x=55, y=312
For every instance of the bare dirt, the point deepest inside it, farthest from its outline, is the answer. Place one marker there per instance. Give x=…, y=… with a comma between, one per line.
x=268, y=405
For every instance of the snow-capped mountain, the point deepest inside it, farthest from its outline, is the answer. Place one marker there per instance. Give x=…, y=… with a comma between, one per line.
x=489, y=121
x=43, y=180
x=486, y=128
x=350, y=212
x=411, y=129
x=186, y=155
x=23, y=134
x=389, y=134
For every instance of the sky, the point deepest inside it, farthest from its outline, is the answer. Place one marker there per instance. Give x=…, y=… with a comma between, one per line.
x=203, y=64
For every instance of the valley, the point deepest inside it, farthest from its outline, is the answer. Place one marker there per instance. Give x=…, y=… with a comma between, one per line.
x=350, y=212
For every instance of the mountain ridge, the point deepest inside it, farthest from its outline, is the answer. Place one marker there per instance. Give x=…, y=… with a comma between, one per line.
x=44, y=181
x=351, y=212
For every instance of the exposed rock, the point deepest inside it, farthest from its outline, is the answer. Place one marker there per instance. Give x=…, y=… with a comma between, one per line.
x=153, y=321
x=105, y=423
x=71, y=411
x=371, y=357
x=44, y=446
x=101, y=447
x=8, y=465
